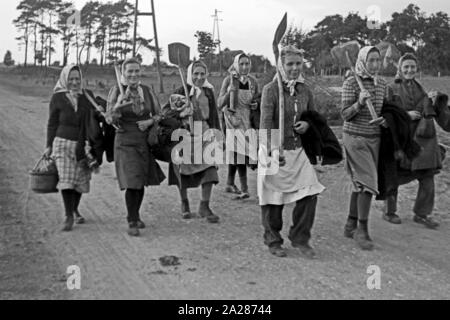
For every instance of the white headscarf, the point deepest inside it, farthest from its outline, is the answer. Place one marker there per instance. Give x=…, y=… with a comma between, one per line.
x=361, y=64
x=194, y=89
x=290, y=83
x=63, y=86
x=234, y=68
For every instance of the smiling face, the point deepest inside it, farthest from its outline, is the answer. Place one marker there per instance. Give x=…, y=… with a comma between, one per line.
x=132, y=73
x=409, y=69
x=373, y=62
x=244, y=66
x=292, y=64
x=74, y=80
x=199, y=76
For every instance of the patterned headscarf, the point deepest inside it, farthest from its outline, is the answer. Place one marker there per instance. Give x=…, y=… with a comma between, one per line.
x=361, y=63
x=234, y=68
x=63, y=84
x=194, y=89
x=290, y=83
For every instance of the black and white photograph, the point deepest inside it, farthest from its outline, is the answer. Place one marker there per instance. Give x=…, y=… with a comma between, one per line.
x=223, y=155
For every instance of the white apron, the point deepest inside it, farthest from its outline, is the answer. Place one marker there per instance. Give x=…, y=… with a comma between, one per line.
x=292, y=182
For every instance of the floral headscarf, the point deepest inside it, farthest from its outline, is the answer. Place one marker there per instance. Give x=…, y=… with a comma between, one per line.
x=361, y=63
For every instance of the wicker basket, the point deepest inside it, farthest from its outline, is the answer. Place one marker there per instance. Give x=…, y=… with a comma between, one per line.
x=44, y=176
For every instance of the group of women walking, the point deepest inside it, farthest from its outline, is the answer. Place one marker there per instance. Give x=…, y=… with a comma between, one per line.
x=134, y=110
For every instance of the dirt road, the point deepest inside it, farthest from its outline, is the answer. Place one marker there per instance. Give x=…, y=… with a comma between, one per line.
x=224, y=261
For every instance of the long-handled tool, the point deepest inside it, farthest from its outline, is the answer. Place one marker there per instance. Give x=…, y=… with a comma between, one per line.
x=179, y=55
x=342, y=53
x=373, y=113
x=279, y=34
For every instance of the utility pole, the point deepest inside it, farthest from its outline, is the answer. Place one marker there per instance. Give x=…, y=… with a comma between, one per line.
x=152, y=14
x=216, y=35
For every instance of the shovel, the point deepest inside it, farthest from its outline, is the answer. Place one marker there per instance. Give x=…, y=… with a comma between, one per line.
x=342, y=53
x=179, y=55
x=375, y=119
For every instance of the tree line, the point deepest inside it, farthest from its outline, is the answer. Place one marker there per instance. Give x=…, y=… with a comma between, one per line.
x=106, y=27
x=411, y=30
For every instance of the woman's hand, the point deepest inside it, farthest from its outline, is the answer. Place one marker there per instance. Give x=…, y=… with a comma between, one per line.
x=301, y=127
x=363, y=96
x=145, y=124
x=433, y=95
x=47, y=152
x=415, y=115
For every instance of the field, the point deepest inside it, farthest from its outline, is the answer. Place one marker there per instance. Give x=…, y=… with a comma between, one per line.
x=224, y=261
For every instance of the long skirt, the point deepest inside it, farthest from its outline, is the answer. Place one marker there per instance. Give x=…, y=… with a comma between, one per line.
x=72, y=174
x=290, y=183
x=362, y=162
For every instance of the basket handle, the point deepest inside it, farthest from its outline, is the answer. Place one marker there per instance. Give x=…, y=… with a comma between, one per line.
x=43, y=157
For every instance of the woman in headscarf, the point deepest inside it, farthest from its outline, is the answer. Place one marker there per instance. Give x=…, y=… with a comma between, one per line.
x=134, y=113
x=423, y=109
x=67, y=127
x=242, y=88
x=362, y=141
x=203, y=108
x=295, y=180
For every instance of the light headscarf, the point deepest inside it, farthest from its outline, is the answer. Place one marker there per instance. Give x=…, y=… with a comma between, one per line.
x=63, y=84
x=197, y=91
x=361, y=64
x=290, y=83
x=234, y=68
x=138, y=106
x=406, y=56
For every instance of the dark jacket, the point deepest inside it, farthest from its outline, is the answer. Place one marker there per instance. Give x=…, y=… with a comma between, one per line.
x=108, y=132
x=319, y=140
x=396, y=144
x=424, y=130
x=81, y=125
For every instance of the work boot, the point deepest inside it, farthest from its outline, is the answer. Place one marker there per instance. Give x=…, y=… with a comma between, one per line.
x=79, y=218
x=185, y=210
x=362, y=238
x=426, y=221
x=277, y=251
x=205, y=212
x=133, y=229
x=68, y=224
x=392, y=218
x=140, y=224
x=305, y=249
x=232, y=189
x=350, y=227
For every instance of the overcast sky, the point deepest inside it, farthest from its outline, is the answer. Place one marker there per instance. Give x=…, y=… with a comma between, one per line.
x=247, y=25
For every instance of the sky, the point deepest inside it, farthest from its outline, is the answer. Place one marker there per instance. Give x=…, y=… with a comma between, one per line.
x=247, y=25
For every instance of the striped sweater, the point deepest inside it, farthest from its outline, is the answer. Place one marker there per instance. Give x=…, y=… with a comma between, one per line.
x=356, y=119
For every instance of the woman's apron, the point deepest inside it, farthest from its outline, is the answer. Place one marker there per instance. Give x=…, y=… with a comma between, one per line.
x=198, y=145
x=244, y=140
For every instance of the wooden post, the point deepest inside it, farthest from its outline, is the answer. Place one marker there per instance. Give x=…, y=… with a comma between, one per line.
x=161, y=86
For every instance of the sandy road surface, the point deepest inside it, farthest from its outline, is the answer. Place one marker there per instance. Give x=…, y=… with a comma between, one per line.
x=226, y=261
